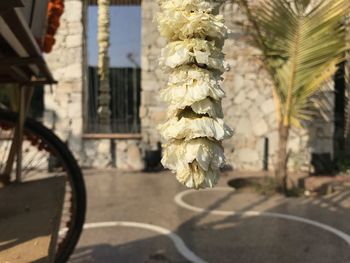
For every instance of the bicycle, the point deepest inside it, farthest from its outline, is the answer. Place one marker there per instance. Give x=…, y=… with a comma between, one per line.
x=30, y=151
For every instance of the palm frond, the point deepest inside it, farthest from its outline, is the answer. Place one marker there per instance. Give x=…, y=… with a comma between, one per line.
x=302, y=47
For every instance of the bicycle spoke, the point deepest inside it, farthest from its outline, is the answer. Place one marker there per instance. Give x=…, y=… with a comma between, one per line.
x=40, y=160
x=6, y=151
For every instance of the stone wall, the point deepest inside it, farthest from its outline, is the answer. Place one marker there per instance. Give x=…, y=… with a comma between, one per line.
x=249, y=106
x=65, y=102
x=152, y=110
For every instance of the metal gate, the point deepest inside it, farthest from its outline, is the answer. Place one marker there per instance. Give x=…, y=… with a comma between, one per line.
x=125, y=85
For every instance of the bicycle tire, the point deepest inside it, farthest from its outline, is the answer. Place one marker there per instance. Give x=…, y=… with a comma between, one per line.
x=73, y=171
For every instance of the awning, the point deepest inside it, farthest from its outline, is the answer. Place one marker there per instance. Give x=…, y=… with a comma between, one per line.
x=21, y=60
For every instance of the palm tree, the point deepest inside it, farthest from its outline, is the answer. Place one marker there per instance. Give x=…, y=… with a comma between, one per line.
x=103, y=65
x=302, y=43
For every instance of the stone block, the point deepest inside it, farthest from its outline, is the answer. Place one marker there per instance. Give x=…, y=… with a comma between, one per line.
x=158, y=116
x=73, y=11
x=273, y=141
x=77, y=127
x=74, y=41
x=104, y=147
x=129, y=156
x=150, y=85
x=252, y=94
x=148, y=98
x=260, y=127
x=75, y=28
x=227, y=104
x=143, y=112
x=73, y=72
x=135, y=160
x=240, y=97
x=122, y=146
x=245, y=105
x=294, y=144
x=247, y=155
x=244, y=127
x=102, y=161
x=75, y=110
x=161, y=42
x=75, y=145
x=271, y=120
x=254, y=114
x=49, y=118
x=268, y=107
x=251, y=76
x=238, y=82
x=89, y=148
x=76, y=97
x=144, y=63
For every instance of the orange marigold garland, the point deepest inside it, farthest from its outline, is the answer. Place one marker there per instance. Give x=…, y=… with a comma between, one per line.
x=55, y=11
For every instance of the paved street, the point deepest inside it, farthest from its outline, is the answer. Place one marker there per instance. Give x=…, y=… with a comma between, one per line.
x=149, y=217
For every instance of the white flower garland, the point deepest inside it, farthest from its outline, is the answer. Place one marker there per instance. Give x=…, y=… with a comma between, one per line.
x=103, y=63
x=195, y=61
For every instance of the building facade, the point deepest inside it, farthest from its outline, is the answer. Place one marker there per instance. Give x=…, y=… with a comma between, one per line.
x=248, y=106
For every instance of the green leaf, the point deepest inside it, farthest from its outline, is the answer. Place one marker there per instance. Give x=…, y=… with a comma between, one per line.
x=302, y=45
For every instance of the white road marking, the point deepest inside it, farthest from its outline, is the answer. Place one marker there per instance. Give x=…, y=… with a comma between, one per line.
x=179, y=201
x=178, y=242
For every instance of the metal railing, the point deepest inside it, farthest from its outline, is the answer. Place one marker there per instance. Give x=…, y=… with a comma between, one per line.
x=125, y=86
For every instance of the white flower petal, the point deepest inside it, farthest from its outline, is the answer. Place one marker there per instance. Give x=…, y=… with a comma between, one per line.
x=186, y=5
x=190, y=51
x=196, y=162
x=188, y=129
x=204, y=107
x=180, y=153
x=188, y=85
x=194, y=176
x=195, y=61
x=184, y=24
x=208, y=106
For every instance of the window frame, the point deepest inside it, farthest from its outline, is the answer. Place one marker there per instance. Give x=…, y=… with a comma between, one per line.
x=86, y=133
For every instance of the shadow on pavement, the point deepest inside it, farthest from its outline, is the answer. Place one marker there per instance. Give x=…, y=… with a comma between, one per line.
x=239, y=239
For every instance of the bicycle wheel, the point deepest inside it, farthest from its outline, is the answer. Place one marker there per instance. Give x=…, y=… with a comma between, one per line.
x=45, y=155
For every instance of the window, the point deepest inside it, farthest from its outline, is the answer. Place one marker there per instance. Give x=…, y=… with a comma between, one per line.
x=125, y=73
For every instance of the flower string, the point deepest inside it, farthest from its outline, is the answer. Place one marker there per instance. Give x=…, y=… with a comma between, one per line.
x=55, y=11
x=195, y=62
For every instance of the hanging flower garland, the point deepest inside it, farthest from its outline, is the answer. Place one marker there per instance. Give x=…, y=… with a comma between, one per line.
x=195, y=61
x=55, y=11
x=103, y=64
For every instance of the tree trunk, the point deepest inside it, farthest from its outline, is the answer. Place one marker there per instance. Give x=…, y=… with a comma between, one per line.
x=282, y=158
